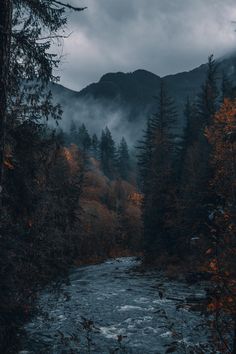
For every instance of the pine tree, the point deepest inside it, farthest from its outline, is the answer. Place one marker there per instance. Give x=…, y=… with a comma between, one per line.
x=207, y=102
x=95, y=146
x=73, y=135
x=83, y=139
x=227, y=87
x=107, y=153
x=27, y=152
x=194, y=194
x=156, y=161
x=123, y=159
x=144, y=156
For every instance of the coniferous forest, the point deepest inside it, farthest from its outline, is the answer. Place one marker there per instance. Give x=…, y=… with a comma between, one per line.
x=118, y=212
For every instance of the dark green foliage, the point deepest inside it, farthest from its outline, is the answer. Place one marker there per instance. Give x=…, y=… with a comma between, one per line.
x=95, y=146
x=156, y=161
x=84, y=140
x=145, y=158
x=33, y=245
x=123, y=160
x=79, y=135
x=227, y=87
x=107, y=154
x=207, y=102
x=194, y=197
x=73, y=134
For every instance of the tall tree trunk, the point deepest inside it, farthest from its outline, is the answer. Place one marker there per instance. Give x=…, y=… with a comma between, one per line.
x=5, y=45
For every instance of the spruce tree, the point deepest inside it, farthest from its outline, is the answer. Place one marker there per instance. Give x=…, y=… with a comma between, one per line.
x=107, y=153
x=95, y=146
x=83, y=139
x=207, y=102
x=123, y=159
x=73, y=135
x=156, y=162
x=27, y=152
x=194, y=192
x=227, y=87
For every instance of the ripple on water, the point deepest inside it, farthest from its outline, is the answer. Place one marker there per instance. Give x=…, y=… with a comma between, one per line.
x=135, y=308
x=101, y=293
x=111, y=332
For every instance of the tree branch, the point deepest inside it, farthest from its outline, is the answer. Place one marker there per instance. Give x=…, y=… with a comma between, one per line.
x=68, y=6
x=56, y=36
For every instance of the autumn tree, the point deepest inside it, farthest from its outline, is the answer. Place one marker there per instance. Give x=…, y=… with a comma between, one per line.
x=221, y=135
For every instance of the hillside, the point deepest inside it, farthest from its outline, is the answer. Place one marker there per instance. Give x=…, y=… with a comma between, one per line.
x=123, y=101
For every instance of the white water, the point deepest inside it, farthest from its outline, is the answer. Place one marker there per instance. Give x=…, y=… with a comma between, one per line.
x=121, y=302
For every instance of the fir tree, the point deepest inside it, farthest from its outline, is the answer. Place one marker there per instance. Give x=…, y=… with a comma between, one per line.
x=73, y=135
x=95, y=146
x=208, y=98
x=107, y=153
x=157, y=173
x=30, y=251
x=83, y=139
x=227, y=87
x=123, y=159
x=194, y=194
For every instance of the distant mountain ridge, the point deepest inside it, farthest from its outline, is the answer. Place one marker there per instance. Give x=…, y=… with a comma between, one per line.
x=127, y=99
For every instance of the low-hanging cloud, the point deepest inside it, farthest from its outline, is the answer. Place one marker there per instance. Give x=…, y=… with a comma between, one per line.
x=163, y=36
x=97, y=115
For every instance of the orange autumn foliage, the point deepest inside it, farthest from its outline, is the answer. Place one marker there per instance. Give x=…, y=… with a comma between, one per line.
x=72, y=157
x=222, y=263
x=8, y=165
x=110, y=219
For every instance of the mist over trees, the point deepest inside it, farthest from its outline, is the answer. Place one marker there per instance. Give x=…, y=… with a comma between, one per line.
x=71, y=198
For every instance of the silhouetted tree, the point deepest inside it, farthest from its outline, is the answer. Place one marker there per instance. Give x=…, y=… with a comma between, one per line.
x=158, y=176
x=83, y=139
x=27, y=151
x=107, y=153
x=123, y=159
x=95, y=146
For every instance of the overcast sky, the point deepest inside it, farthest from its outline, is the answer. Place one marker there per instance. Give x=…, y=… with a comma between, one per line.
x=163, y=36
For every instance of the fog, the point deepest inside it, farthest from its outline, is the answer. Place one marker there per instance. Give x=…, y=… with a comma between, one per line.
x=96, y=115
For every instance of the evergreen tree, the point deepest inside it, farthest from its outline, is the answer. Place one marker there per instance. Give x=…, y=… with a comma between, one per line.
x=227, y=87
x=145, y=148
x=194, y=194
x=30, y=249
x=95, y=146
x=83, y=139
x=107, y=153
x=123, y=159
x=73, y=135
x=156, y=162
x=207, y=102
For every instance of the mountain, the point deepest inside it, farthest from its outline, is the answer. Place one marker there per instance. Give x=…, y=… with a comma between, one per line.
x=123, y=101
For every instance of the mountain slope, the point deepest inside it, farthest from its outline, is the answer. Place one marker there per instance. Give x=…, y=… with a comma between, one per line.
x=123, y=101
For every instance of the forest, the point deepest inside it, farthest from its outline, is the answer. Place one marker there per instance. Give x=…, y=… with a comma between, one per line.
x=71, y=198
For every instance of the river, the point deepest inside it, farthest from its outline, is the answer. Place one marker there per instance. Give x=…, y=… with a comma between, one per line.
x=111, y=308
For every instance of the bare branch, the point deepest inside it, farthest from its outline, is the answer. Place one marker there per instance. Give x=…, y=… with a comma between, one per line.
x=68, y=6
x=56, y=36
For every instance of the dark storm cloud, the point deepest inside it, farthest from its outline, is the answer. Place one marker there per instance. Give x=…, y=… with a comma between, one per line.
x=163, y=36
